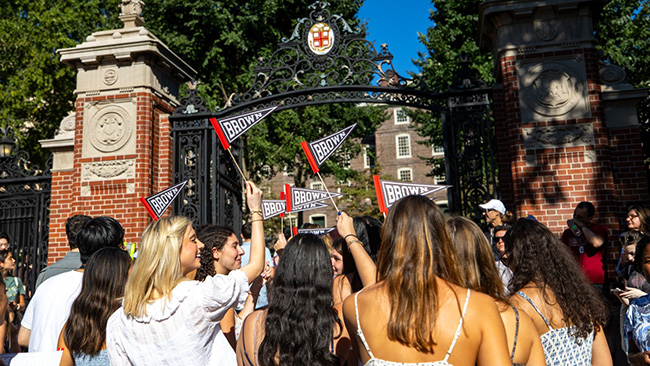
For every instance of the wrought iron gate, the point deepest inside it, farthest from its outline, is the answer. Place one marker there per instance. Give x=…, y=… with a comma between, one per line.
x=25, y=214
x=213, y=193
x=298, y=75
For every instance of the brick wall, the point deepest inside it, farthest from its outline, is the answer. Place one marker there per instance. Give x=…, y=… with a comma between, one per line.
x=110, y=198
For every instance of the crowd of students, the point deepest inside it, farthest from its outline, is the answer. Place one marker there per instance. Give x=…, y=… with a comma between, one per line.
x=418, y=289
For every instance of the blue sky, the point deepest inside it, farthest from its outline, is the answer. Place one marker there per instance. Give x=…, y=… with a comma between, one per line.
x=397, y=23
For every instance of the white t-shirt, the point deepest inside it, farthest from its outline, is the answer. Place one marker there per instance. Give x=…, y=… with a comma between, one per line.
x=179, y=330
x=49, y=309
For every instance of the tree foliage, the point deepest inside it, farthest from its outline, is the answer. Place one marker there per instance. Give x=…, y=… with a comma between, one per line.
x=36, y=89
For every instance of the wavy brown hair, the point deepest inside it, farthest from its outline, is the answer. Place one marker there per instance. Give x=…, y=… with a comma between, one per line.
x=415, y=251
x=644, y=217
x=101, y=294
x=479, y=272
x=213, y=237
x=537, y=256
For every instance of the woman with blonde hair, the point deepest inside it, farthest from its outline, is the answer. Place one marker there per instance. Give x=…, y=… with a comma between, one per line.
x=479, y=273
x=418, y=312
x=166, y=318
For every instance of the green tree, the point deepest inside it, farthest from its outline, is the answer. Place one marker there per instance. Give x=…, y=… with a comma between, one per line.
x=36, y=89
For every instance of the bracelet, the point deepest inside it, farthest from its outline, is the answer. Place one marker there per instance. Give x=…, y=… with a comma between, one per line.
x=345, y=237
x=259, y=212
x=257, y=220
x=354, y=241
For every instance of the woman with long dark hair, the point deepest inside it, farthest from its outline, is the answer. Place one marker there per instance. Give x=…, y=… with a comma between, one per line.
x=418, y=312
x=83, y=337
x=300, y=326
x=550, y=287
x=479, y=273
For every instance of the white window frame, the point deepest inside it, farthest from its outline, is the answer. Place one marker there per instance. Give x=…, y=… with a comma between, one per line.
x=396, y=113
x=320, y=186
x=323, y=216
x=402, y=170
x=437, y=153
x=397, y=154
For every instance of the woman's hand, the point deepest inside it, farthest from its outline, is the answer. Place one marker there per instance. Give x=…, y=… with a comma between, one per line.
x=345, y=225
x=253, y=197
x=632, y=293
x=280, y=243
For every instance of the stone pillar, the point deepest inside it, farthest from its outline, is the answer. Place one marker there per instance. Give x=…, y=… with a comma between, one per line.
x=555, y=148
x=120, y=147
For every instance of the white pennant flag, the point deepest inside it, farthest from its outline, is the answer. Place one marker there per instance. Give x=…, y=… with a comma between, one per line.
x=390, y=192
x=230, y=128
x=158, y=203
x=319, y=232
x=272, y=208
x=308, y=206
x=318, y=151
x=300, y=196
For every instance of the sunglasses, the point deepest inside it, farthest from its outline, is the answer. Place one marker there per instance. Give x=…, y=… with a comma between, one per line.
x=497, y=238
x=627, y=239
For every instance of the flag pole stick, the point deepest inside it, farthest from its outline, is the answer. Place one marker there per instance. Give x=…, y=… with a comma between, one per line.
x=237, y=165
x=328, y=192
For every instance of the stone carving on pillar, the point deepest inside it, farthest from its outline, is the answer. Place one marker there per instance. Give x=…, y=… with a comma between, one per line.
x=612, y=76
x=553, y=137
x=109, y=128
x=545, y=29
x=553, y=89
x=106, y=171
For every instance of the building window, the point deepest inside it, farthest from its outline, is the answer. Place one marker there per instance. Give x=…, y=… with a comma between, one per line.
x=369, y=157
x=317, y=185
x=405, y=174
x=403, y=145
x=439, y=179
x=438, y=150
x=401, y=117
x=318, y=220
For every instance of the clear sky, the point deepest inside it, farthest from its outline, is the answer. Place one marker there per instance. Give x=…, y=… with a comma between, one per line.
x=397, y=23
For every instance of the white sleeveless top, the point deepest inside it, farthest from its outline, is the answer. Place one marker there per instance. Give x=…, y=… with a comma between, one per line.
x=379, y=362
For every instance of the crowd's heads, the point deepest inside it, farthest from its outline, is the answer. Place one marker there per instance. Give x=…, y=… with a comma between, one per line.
x=7, y=262
x=495, y=205
x=584, y=212
x=478, y=270
x=5, y=241
x=158, y=265
x=98, y=233
x=246, y=231
x=638, y=218
x=496, y=214
x=415, y=238
x=336, y=256
x=73, y=225
x=499, y=233
x=368, y=230
x=221, y=245
x=305, y=263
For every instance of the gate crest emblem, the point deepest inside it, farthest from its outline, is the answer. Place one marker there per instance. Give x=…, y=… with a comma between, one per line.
x=321, y=38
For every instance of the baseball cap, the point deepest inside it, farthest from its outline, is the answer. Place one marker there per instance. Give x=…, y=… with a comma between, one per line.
x=494, y=204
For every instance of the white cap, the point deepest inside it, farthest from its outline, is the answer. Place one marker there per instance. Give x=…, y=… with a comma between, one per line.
x=494, y=205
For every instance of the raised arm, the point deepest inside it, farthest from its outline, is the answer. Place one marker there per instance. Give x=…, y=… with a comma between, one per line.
x=365, y=265
x=256, y=263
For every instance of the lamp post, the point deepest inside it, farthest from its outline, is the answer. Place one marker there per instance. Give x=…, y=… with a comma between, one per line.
x=7, y=142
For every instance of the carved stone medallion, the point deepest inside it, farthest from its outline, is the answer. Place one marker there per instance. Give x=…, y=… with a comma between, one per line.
x=545, y=29
x=110, y=76
x=110, y=129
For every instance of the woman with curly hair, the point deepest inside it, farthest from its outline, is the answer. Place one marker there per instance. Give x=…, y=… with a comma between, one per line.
x=83, y=337
x=417, y=312
x=300, y=326
x=221, y=254
x=167, y=319
x=479, y=273
x=550, y=287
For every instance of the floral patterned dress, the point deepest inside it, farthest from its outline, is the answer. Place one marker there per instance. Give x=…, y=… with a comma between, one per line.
x=637, y=322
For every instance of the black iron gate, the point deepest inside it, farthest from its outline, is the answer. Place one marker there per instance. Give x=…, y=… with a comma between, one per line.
x=25, y=213
x=299, y=75
x=213, y=193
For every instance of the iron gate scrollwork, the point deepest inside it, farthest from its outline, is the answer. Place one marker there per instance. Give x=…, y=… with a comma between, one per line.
x=25, y=193
x=326, y=61
x=213, y=192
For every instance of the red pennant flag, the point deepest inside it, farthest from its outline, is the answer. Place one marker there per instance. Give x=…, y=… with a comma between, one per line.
x=390, y=192
x=158, y=203
x=318, y=232
x=318, y=151
x=272, y=208
x=295, y=231
x=297, y=197
x=285, y=204
x=229, y=129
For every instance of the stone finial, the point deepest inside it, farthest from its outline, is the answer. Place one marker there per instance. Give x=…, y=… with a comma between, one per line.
x=130, y=11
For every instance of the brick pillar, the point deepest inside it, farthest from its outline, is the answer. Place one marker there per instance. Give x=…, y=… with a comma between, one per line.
x=119, y=148
x=554, y=146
